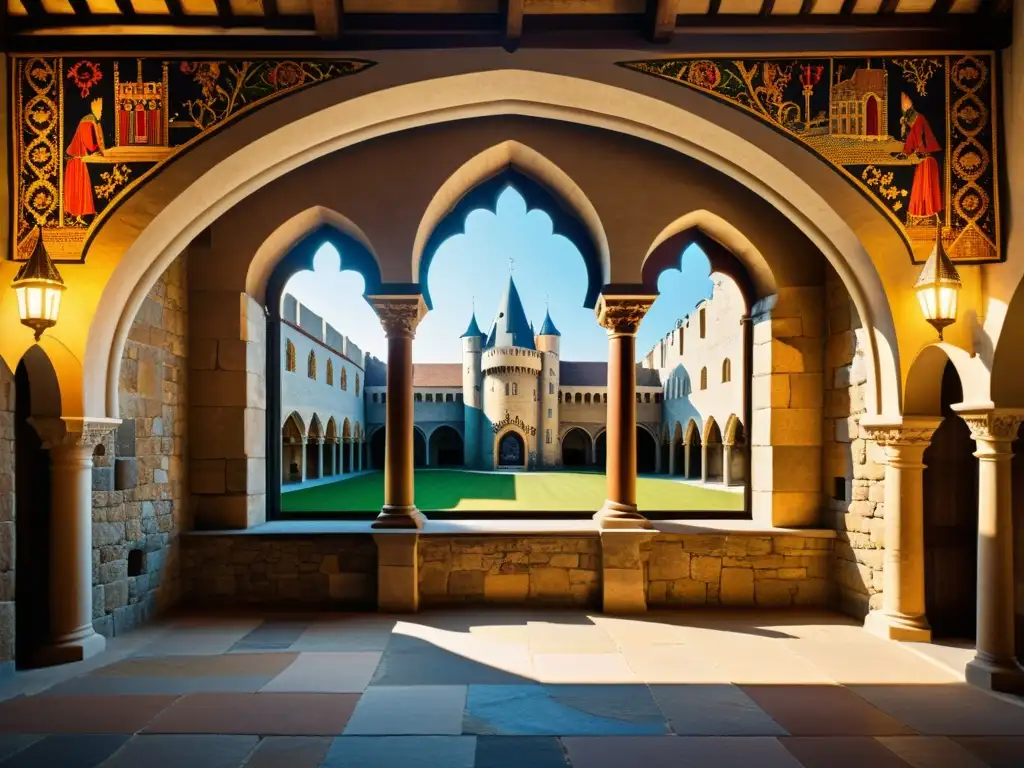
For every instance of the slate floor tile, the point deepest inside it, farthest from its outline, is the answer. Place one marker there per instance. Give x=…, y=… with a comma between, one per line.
x=713, y=710
x=290, y=752
x=930, y=752
x=995, y=751
x=672, y=751
x=268, y=714
x=823, y=710
x=80, y=751
x=537, y=710
x=271, y=635
x=326, y=673
x=221, y=665
x=112, y=685
x=434, y=666
x=409, y=710
x=841, y=752
x=183, y=752
x=404, y=751
x=80, y=714
x=518, y=751
x=946, y=710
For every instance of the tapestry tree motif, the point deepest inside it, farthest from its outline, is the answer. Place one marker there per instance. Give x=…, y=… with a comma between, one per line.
x=916, y=134
x=89, y=130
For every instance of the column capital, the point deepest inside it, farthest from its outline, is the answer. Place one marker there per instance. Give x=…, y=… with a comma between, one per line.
x=72, y=431
x=994, y=425
x=902, y=431
x=399, y=314
x=622, y=314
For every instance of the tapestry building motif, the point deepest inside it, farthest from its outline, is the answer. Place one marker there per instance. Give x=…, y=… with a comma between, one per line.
x=916, y=133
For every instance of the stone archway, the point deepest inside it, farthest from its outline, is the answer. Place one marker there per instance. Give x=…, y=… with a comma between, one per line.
x=646, y=451
x=377, y=442
x=510, y=450
x=419, y=449
x=713, y=460
x=446, y=449
x=577, y=448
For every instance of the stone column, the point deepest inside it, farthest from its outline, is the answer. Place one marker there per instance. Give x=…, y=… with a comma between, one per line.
x=71, y=442
x=704, y=462
x=902, y=616
x=995, y=665
x=657, y=458
x=621, y=316
x=687, y=447
x=727, y=464
x=320, y=459
x=302, y=459
x=672, y=458
x=399, y=315
x=336, y=458
x=359, y=456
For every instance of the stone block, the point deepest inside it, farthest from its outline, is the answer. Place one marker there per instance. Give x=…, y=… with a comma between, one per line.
x=785, y=468
x=102, y=479
x=773, y=593
x=348, y=587
x=467, y=562
x=219, y=389
x=397, y=588
x=786, y=509
x=770, y=390
x=623, y=590
x=703, y=568
x=126, y=474
x=434, y=579
x=788, y=426
x=807, y=390
x=398, y=549
x=564, y=561
x=513, y=587
x=106, y=534
x=7, y=546
x=657, y=593
x=245, y=475
x=687, y=592
x=207, y=476
x=115, y=595
x=737, y=586
x=468, y=583
x=549, y=582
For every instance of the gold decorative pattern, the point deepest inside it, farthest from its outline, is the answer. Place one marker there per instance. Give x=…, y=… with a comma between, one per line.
x=914, y=132
x=399, y=316
x=73, y=116
x=514, y=421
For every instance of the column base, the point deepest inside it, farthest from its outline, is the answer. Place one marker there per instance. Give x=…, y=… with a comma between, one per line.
x=78, y=646
x=614, y=515
x=907, y=629
x=399, y=517
x=995, y=676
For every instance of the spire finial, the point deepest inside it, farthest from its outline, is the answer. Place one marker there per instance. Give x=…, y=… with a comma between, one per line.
x=511, y=265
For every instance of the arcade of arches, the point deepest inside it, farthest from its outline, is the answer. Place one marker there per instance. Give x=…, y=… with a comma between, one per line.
x=878, y=462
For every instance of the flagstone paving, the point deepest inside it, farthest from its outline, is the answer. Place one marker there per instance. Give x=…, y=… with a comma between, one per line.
x=493, y=689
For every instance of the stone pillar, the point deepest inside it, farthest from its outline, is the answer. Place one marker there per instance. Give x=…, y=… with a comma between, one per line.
x=672, y=458
x=704, y=462
x=398, y=583
x=621, y=316
x=657, y=458
x=71, y=443
x=726, y=464
x=399, y=315
x=302, y=459
x=336, y=457
x=359, y=455
x=995, y=665
x=687, y=447
x=622, y=571
x=350, y=448
x=320, y=459
x=902, y=616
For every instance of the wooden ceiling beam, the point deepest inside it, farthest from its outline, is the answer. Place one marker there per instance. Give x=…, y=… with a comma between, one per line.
x=81, y=7
x=713, y=7
x=660, y=22
x=942, y=7
x=767, y=6
x=888, y=6
x=175, y=8
x=327, y=17
x=512, y=19
x=224, y=11
x=807, y=7
x=847, y=7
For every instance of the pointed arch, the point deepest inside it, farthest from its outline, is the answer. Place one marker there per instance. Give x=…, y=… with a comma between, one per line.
x=332, y=429
x=712, y=432
x=481, y=180
x=290, y=363
x=692, y=431
x=726, y=371
x=677, y=433
x=297, y=423
x=316, y=429
x=733, y=430
x=346, y=429
x=703, y=378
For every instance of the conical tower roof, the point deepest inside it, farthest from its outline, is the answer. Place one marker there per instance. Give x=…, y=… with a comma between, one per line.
x=473, y=330
x=548, y=327
x=510, y=327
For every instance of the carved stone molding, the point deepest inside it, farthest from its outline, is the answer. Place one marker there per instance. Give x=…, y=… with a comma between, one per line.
x=399, y=315
x=56, y=432
x=910, y=432
x=622, y=314
x=996, y=424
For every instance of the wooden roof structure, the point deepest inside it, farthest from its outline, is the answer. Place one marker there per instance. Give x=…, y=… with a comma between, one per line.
x=694, y=26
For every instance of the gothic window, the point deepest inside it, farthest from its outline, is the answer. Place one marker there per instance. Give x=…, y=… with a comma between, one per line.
x=449, y=398
x=357, y=385
x=549, y=413
x=289, y=357
x=311, y=365
x=703, y=378
x=703, y=322
x=330, y=373
x=639, y=397
x=726, y=370
x=579, y=398
x=430, y=397
x=551, y=371
x=418, y=397
x=344, y=378
x=586, y=399
x=458, y=396
x=506, y=389
x=551, y=389
x=680, y=341
x=515, y=388
x=547, y=435
x=647, y=397
x=559, y=395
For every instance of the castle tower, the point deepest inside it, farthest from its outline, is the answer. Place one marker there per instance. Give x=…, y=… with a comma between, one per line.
x=472, y=392
x=511, y=368
x=548, y=341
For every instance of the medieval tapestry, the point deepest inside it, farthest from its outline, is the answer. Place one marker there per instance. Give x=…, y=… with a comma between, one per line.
x=915, y=133
x=88, y=131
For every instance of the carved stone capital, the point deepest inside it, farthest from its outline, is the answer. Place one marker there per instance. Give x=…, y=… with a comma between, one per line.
x=57, y=432
x=992, y=424
x=904, y=440
x=622, y=314
x=399, y=315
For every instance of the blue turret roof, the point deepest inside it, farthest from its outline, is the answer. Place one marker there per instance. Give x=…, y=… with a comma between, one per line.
x=510, y=327
x=548, y=328
x=473, y=330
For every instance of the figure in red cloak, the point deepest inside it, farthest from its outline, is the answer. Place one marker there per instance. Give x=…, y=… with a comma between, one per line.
x=920, y=142
x=88, y=140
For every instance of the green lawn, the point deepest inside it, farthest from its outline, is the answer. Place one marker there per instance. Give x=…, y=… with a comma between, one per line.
x=443, y=489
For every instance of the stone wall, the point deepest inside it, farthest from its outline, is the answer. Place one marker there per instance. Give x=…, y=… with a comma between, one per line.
x=563, y=570
x=854, y=466
x=140, y=498
x=6, y=520
x=739, y=570
x=279, y=571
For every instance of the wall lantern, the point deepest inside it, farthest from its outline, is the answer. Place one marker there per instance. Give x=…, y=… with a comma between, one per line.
x=937, y=287
x=38, y=286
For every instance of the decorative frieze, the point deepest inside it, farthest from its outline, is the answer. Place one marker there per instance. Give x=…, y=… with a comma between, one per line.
x=56, y=432
x=622, y=314
x=997, y=425
x=399, y=315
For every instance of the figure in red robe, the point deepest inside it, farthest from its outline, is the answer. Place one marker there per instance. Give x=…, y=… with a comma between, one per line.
x=88, y=140
x=920, y=142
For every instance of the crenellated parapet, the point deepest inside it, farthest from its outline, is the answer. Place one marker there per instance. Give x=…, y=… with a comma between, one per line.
x=512, y=360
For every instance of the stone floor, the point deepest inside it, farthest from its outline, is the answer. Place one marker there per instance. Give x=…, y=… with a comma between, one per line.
x=493, y=689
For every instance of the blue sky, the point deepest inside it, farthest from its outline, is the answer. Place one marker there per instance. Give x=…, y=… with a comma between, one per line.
x=475, y=266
